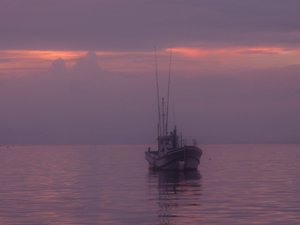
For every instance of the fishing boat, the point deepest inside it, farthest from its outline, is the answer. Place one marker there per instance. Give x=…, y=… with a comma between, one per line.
x=171, y=153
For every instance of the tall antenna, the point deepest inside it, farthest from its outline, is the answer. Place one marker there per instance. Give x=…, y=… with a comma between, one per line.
x=157, y=93
x=168, y=96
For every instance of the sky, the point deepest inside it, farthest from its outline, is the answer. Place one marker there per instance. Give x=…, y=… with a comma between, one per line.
x=83, y=71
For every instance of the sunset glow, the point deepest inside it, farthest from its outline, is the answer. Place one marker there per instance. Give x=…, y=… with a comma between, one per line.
x=41, y=54
x=224, y=58
x=203, y=52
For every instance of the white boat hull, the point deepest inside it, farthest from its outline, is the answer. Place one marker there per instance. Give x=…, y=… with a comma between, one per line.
x=184, y=158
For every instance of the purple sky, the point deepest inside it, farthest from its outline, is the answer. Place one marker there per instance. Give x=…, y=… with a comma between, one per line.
x=83, y=71
x=141, y=24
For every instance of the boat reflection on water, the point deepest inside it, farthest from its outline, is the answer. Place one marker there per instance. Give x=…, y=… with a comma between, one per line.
x=179, y=195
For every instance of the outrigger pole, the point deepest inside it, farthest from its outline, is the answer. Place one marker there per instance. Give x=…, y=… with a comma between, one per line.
x=163, y=114
x=168, y=96
x=157, y=93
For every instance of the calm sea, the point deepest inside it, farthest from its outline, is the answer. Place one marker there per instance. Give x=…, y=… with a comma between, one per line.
x=235, y=184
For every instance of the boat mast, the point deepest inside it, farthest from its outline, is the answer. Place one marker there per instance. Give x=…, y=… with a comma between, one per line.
x=168, y=96
x=163, y=117
x=157, y=94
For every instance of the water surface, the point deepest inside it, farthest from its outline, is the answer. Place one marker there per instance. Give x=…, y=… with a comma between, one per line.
x=235, y=184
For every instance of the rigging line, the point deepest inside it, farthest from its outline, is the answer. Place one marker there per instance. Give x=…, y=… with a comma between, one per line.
x=157, y=93
x=168, y=96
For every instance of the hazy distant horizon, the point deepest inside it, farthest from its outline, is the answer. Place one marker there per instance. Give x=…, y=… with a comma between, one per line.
x=82, y=72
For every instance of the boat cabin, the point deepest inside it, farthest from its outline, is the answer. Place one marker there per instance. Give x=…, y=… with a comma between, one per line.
x=168, y=142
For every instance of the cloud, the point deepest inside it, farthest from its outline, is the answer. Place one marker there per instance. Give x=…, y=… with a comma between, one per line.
x=83, y=67
x=129, y=24
x=87, y=64
x=250, y=106
x=79, y=104
x=58, y=67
